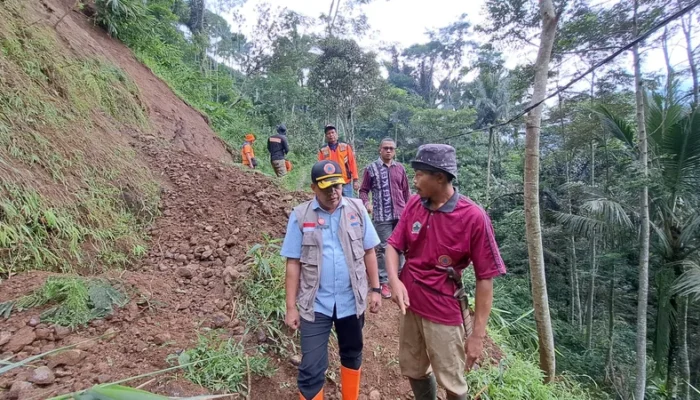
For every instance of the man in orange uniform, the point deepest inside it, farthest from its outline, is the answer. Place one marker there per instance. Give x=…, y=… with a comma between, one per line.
x=342, y=154
x=247, y=153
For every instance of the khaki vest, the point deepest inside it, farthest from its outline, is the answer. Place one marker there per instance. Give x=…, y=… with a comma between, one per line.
x=352, y=242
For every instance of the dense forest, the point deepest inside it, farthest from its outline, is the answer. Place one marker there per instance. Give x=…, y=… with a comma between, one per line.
x=587, y=161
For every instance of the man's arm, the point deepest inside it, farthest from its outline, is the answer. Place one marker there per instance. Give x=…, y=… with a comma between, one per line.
x=405, y=189
x=250, y=159
x=372, y=268
x=291, y=282
x=291, y=249
x=320, y=155
x=391, y=262
x=484, y=300
x=285, y=145
x=365, y=188
x=352, y=164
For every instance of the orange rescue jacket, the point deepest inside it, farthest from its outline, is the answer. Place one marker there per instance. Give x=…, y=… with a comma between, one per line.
x=344, y=156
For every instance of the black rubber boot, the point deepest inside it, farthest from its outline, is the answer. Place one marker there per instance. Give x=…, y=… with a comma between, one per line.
x=424, y=389
x=451, y=396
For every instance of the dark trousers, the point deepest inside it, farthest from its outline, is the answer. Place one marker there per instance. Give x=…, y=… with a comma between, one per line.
x=384, y=231
x=314, y=349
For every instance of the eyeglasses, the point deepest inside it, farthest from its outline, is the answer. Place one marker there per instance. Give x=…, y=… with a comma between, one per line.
x=388, y=148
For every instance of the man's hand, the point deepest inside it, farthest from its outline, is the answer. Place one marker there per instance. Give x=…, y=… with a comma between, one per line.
x=474, y=348
x=375, y=302
x=369, y=208
x=356, y=185
x=399, y=295
x=292, y=318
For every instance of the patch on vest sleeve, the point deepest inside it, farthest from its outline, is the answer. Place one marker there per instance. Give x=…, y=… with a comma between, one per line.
x=308, y=227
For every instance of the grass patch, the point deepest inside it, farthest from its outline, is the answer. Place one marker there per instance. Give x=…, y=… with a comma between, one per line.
x=75, y=301
x=515, y=379
x=262, y=301
x=221, y=364
x=72, y=194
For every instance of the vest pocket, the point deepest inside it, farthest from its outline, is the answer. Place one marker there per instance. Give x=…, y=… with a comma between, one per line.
x=309, y=249
x=357, y=243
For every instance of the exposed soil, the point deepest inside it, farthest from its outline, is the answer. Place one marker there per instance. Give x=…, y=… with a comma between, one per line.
x=212, y=212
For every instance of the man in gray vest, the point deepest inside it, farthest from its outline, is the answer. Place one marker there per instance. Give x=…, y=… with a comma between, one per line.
x=329, y=246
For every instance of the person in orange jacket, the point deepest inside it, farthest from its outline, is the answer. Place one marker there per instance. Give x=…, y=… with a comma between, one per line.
x=247, y=153
x=342, y=154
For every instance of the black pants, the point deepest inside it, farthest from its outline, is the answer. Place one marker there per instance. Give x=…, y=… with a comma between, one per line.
x=314, y=349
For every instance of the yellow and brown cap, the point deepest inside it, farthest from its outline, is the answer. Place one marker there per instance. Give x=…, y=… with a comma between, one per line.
x=327, y=173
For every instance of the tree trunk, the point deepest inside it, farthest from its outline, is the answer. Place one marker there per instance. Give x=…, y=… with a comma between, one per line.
x=670, y=73
x=488, y=166
x=643, y=292
x=533, y=227
x=590, y=300
x=609, y=366
x=683, y=359
x=687, y=32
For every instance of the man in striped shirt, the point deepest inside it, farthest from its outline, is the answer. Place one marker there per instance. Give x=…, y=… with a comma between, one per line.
x=387, y=181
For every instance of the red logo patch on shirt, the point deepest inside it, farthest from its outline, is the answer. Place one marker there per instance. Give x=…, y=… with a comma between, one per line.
x=308, y=227
x=445, y=261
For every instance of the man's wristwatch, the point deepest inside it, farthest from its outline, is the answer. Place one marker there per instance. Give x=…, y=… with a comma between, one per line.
x=377, y=290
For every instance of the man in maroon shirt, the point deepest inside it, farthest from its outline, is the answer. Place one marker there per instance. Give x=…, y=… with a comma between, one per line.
x=440, y=228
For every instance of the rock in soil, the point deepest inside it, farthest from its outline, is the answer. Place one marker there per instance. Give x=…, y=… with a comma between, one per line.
x=185, y=272
x=231, y=275
x=42, y=376
x=295, y=360
x=375, y=395
x=61, y=331
x=18, y=390
x=219, y=320
x=261, y=336
x=68, y=357
x=34, y=321
x=4, y=338
x=23, y=337
x=43, y=334
x=161, y=338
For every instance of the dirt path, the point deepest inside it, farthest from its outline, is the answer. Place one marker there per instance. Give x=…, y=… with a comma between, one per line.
x=211, y=215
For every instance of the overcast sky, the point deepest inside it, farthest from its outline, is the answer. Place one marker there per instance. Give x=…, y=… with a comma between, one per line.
x=405, y=22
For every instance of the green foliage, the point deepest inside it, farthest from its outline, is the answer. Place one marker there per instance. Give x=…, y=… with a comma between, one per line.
x=73, y=208
x=221, y=364
x=121, y=17
x=262, y=302
x=514, y=378
x=75, y=301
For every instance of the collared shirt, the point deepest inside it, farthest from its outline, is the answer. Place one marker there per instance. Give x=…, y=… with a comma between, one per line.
x=335, y=289
x=389, y=187
x=457, y=234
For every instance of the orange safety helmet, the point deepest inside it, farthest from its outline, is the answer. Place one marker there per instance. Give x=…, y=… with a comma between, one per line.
x=249, y=137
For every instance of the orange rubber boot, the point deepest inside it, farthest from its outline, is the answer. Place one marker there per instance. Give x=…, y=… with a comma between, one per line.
x=319, y=396
x=350, y=381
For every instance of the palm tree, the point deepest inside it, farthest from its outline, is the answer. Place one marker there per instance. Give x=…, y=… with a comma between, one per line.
x=674, y=132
